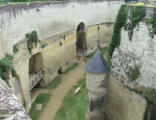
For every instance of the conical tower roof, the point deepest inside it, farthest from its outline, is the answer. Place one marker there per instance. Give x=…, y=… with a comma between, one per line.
x=97, y=64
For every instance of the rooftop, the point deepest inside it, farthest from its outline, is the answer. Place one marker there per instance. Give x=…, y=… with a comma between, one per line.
x=97, y=64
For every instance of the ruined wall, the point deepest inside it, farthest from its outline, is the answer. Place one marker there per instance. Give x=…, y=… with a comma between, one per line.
x=123, y=104
x=49, y=19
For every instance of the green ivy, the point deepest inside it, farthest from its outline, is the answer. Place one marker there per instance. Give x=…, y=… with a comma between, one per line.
x=154, y=23
x=32, y=38
x=137, y=14
x=134, y=73
x=5, y=65
x=119, y=23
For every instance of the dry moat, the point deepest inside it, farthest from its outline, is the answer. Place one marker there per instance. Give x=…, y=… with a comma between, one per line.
x=77, y=60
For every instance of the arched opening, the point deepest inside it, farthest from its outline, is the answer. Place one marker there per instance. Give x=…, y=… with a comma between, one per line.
x=35, y=72
x=81, y=42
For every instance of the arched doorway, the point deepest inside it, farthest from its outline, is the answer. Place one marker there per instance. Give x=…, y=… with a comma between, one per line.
x=81, y=42
x=35, y=71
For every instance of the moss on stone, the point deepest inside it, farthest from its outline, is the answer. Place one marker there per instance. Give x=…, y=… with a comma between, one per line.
x=134, y=73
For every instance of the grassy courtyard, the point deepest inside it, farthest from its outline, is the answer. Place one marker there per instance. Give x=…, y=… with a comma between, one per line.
x=43, y=99
x=74, y=106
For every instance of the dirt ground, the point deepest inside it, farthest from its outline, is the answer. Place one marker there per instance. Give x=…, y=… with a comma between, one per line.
x=58, y=94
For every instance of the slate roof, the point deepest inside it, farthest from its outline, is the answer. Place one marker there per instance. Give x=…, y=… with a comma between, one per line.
x=97, y=64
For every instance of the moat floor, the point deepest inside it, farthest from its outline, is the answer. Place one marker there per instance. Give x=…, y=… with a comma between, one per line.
x=58, y=94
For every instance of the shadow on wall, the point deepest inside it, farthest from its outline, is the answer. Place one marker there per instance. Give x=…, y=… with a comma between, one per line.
x=35, y=71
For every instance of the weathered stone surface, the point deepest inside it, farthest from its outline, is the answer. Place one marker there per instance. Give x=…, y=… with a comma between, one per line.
x=49, y=19
x=10, y=107
x=139, y=51
x=123, y=104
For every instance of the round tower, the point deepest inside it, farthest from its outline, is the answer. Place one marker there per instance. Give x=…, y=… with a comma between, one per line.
x=96, y=81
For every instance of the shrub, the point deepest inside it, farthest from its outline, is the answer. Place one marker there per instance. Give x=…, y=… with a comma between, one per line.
x=5, y=65
x=32, y=38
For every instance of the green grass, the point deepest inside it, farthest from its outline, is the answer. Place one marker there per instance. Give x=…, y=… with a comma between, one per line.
x=71, y=68
x=41, y=99
x=74, y=106
x=54, y=84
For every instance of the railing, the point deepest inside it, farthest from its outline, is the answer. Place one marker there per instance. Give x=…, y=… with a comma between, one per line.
x=34, y=79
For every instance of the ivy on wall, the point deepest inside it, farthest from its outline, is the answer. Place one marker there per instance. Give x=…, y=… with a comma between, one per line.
x=119, y=23
x=154, y=23
x=6, y=65
x=137, y=14
x=31, y=39
x=134, y=73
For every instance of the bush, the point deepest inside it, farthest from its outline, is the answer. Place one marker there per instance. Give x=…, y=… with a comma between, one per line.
x=32, y=38
x=6, y=65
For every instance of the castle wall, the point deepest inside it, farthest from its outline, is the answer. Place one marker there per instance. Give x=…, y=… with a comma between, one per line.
x=56, y=55
x=123, y=104
x=49, y=19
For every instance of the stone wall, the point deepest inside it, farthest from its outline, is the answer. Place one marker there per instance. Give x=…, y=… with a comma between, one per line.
x=49, y=19
x=55, y=55
x=140, y=51
x=123, y=104
x=10, y=107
